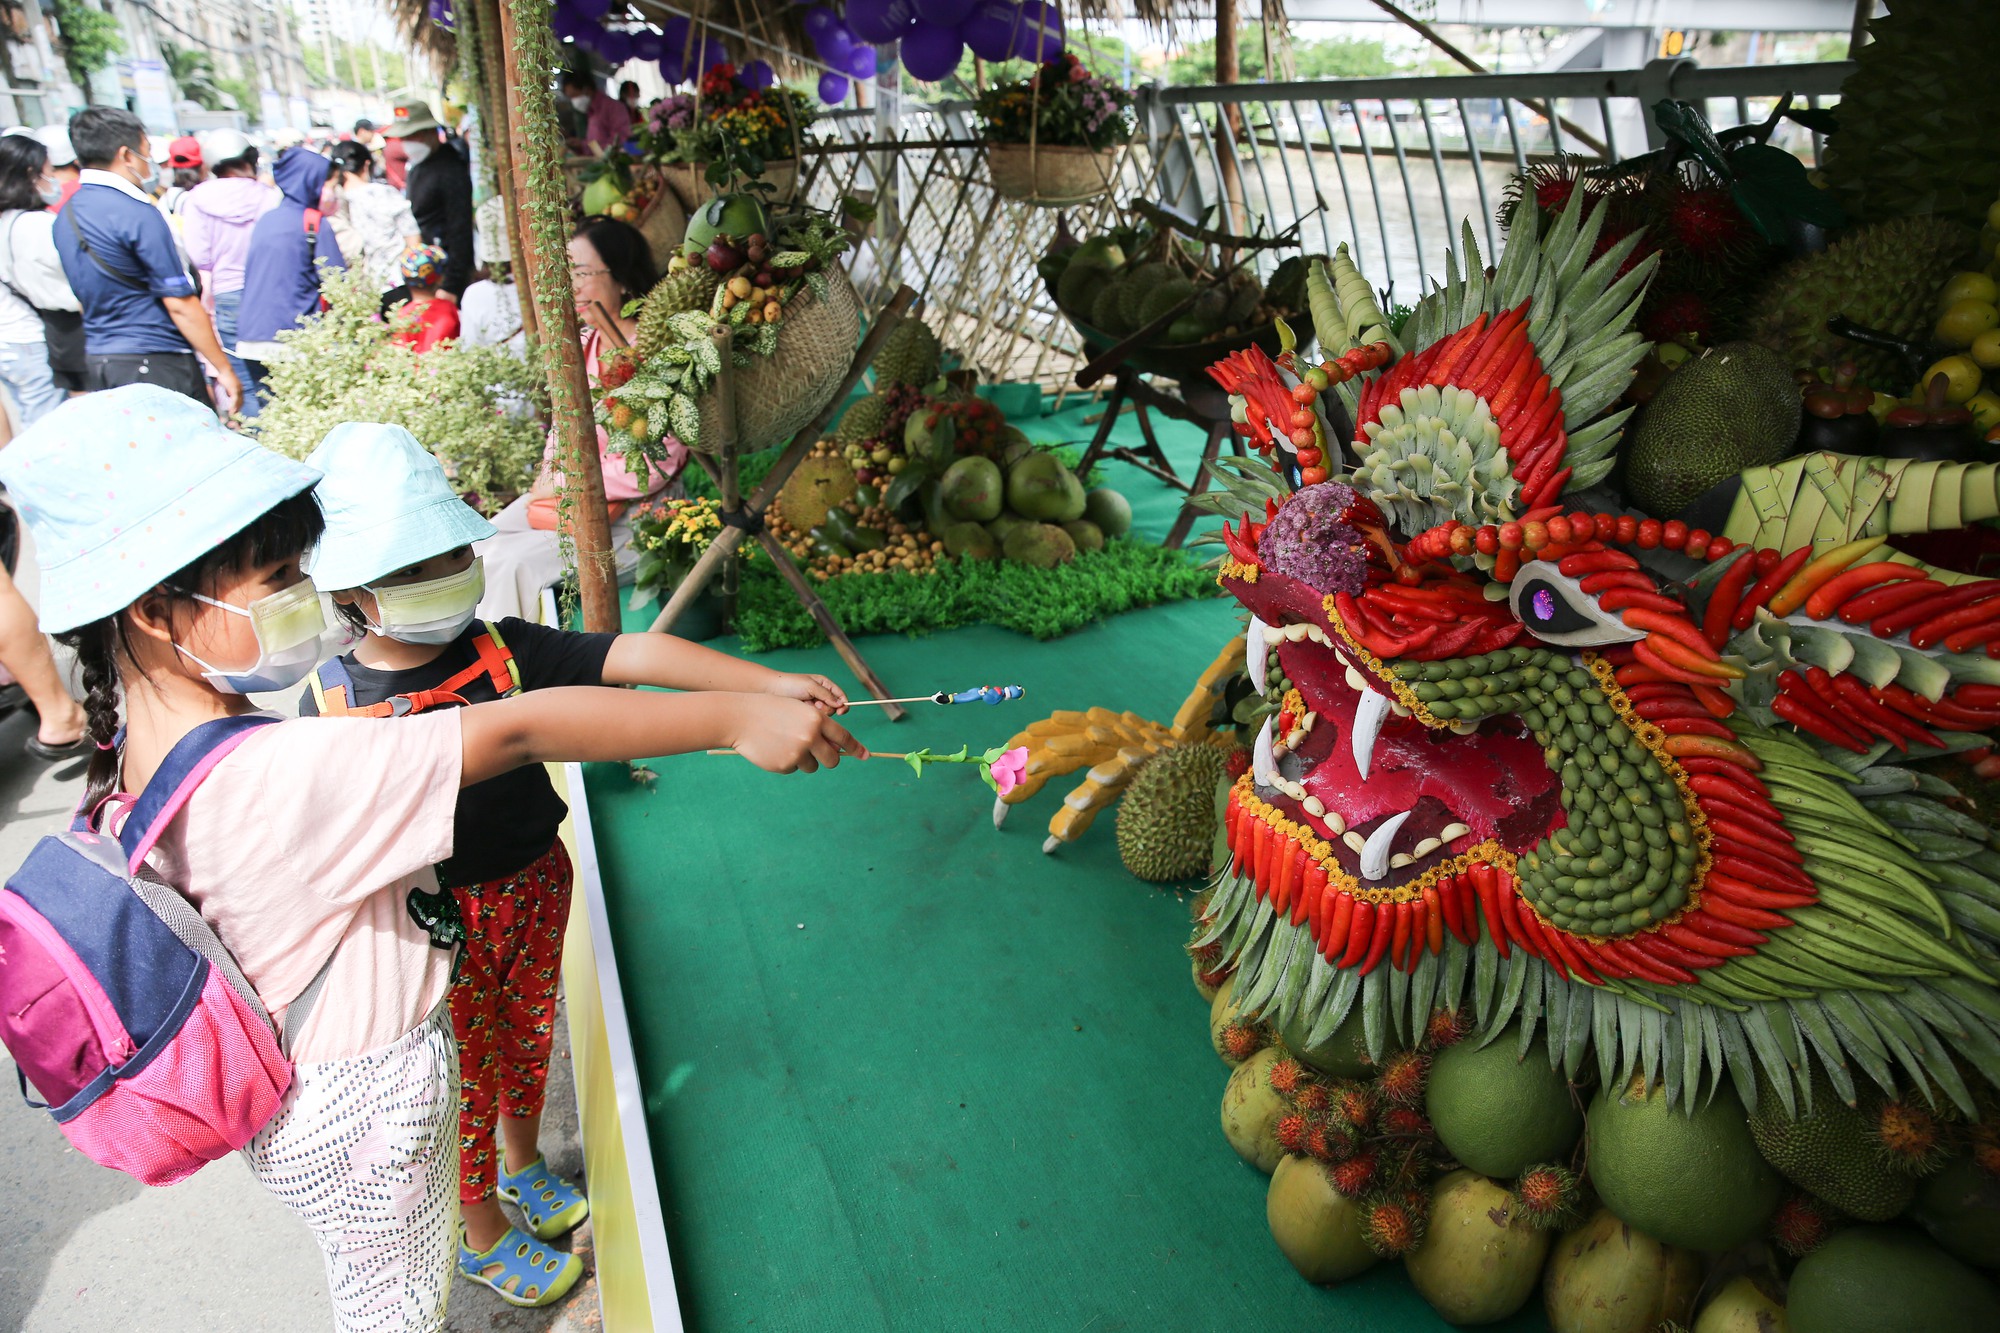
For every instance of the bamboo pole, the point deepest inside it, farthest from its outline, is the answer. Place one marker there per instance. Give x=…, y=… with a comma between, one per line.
x=1229, y=119
x=528, y=49
x=500, y=146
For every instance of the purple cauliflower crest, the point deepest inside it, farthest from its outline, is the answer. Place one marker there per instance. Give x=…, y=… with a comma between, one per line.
x=1309, y=540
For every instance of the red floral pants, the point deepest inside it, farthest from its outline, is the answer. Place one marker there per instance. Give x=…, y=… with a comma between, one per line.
x=503, y=1005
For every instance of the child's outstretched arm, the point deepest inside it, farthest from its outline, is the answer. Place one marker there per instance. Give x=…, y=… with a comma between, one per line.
x=677, y=664
x=579, y=723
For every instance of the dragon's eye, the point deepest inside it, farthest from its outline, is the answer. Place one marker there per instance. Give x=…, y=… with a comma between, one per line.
x=1556, y=610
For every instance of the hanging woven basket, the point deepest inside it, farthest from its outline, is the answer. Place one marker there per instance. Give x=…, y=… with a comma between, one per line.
x=663, y=223
x=1050, y=177
x=691, y=187
x=777, y=395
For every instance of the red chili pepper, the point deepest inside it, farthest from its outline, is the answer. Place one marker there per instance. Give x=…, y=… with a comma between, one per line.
x=1644, y=967
x=1767, y=585
x=1619, y=599
x=1404, y=938
x=1718, y=931
x=1696, y=726
x=1887, y=722
x=1646, y=691
x=1953, y=715
x=1909, y=617
x=1972, y=636
x=1360, y=936
x=1594, y=584
x=1634, y=674
x=1596, y=562
x=1653, y=707
x=1976, y=696
x=1334, y=938
x=1766, y=824
x=1301, y=888
x=1765, y=873
x=1644, y=655
x=1676, y=627
x=1485, y=883
x=1659, y=946
x=1797, y=704
x=1723, y=601
x=1717, y=702
x=1847, y=584
x=1735, y=840
x=1386, y=925
x=1701, y=661
x=1976, y=612
x=1571, y=951
x=1549, y=489
x=1740, y=890
x=1751, y=918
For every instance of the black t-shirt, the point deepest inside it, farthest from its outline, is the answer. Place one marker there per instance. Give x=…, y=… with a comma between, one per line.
x=505, y=824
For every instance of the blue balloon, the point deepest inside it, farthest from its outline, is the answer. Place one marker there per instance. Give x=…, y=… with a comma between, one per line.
x=931, y=53
x=835, y=45
x=989, y=28
x=833, y=89
x=879, y=20
x=861, y=61
x=757, y=75
x=944, y=13
x=816, y=21
x=1040, y=35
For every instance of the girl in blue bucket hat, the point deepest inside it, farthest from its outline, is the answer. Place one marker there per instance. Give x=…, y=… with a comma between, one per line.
x=171, y=553
x=397, y=560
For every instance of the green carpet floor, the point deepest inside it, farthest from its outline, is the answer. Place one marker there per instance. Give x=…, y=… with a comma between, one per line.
x=904, y=1072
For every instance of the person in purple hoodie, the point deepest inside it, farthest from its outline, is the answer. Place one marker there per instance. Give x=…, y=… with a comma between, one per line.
x=281, y=274
x=216, y=218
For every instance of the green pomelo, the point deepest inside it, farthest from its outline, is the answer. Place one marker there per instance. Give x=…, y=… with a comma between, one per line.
x=930, y=497
x=737, y=215
x=1004, y=525
x=1316, y=1228
x=1087, y=535
x=1960, y=1207
x=1041, y=545
x=969, y=541
x=1742, y=1307
x=1499, y=1115
x=1887, y=1280
x=1014, y=445
x=1250, y=1111
x=972, y=490
x=815, y=486
x=1222, y=1011
x=1167, y=819
x=1832, y=1152
x=1110, y=511
x=1690, y=1179
x=600, y=195
x=1480, y=1259
x=1607, y=1277
x=1342, y=1055
x=1041, y=488
x=1735, y=407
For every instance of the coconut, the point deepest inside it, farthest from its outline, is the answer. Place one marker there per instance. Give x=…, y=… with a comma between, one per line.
x=1605, y=1277
x=1342, y=1055
x=1742, y=1307
x=1250, y=1111
x=1481, y=1256
x=1318, y=1230
x=1222, y=1011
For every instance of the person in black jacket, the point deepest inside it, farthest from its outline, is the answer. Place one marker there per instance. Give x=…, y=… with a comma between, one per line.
x=439, y=188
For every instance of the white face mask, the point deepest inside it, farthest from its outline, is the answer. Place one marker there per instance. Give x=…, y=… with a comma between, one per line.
x=289, y=626
x=415, y=150
x=48, y=191
x=434, y=611
x=581, y=101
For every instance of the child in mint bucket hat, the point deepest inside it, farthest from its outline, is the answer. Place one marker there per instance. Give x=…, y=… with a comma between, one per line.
x=171, y=550
x=398, y=562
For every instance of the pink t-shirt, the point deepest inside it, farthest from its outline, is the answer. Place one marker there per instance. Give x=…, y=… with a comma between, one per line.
x=307, y=839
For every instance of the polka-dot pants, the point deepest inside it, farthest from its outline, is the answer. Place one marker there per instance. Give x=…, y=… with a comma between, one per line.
x=503, y=1005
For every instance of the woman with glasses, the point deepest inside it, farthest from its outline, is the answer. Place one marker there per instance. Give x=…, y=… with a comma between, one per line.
x=610, y=265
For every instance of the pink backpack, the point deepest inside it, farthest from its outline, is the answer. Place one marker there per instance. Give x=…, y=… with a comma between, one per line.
x=119, y=1003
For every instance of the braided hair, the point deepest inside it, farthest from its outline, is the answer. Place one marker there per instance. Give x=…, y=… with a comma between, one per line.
x=104, y=646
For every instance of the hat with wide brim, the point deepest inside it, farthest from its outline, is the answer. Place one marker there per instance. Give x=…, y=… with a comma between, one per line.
x=388, y=504
x=412, y=117
x=126, y=487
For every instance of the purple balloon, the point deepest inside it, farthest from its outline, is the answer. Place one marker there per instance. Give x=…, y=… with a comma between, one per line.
x=835, y=45
x=989, y=29
x=648, y=46
x=944, y=13
x=713, y=53
x=879, y=20
x=670, y=68
x=757, y=75
x=931, y=53
x=615, y=47
x=675, y=30
x=570, y=26
x=591, y=9
x=833, y=89
x=816, y=21
x=861, y=61
x=1040, y=36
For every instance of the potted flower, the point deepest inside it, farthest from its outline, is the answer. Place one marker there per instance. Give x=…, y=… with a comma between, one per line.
x=700, y=141
x=1052, y=138
x=669, y=536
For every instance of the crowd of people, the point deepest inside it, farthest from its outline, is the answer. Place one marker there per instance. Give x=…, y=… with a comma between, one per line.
x=144, y=295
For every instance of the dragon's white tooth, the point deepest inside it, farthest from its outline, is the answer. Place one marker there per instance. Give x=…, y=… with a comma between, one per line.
x=1355, y=840
x=1453, y=832
x=1463, y=728
x=1368, y=715
x=1049, y=845
x=1426, y=847
x=1318, y=636
x=1255, y=659
x=1398, y=709
x=1263, y=757
x=1306, y=723
x=1314, y=806
x=1335, y=822
x=1000, y=808
x=1375, y=851
x=1356, y=682
x=1341, y=658
x=1297, y=632
x=1400, y=859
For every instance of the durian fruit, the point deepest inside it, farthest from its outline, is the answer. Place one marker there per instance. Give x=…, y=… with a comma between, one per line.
x=1167, y=821
x=864, y=420
x=1885, y=277
x=690, y=289
x=1735, y=407
x=1107, y=311
x=1832, y=1152
x=815, y=486
x=1138, y=286
x=910, y=356
x=1164, y=297
x=1916, y=116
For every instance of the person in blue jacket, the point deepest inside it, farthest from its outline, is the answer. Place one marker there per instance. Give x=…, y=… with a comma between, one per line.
x=281, y=274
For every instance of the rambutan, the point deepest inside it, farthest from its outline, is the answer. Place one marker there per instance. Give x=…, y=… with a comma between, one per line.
x=1802, y=1224
x=1237, y=762
x=1393, y=1224
x=1406, y=1122
x=1403, y=1077
x=1354, y=1104
x=1706, y=224
x=1546, y=1195
x=1355, y=1176
x=1312, y=1098
x=1290, y=1131
x=1446, y=1027
x=1208, y=955
x=1242, y=1040
x=1198, y=909
x=1287, y=1076
x=1328, y=1140
x=1911, y=1136
x=1677, y=315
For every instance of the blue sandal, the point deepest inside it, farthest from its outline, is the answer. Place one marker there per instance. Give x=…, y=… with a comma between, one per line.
x=520, y=1270
x=551, y=1204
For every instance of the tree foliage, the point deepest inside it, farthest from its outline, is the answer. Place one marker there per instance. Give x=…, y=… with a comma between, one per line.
x=90, y=37
x=1332, y=58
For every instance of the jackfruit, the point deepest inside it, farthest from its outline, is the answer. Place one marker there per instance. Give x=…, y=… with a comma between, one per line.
x=910, y=355
x=1832, y=1151
x=1167, y=819
x=1736, y=407
x=815, y=486
x=864, y=420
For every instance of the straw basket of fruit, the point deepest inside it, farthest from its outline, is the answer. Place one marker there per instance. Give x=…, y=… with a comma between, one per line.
x=689, y=181
x=1052, y=139
x=1050, y=176
x=776, y=395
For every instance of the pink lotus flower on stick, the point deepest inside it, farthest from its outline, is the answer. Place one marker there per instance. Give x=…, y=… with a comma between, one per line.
x=1002, y=770
x=1009, y=769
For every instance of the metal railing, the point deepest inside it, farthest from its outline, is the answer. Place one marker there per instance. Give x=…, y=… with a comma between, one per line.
x=1397, y=163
